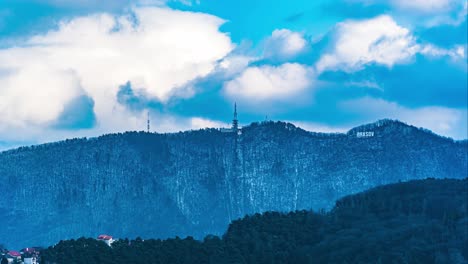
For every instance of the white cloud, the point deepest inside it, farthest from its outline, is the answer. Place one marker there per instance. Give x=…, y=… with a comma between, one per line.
x=441, y=120
x=235, y=64
x=457, y=52
x=114, y=4
x=166, y=123
x=427, y=13
x=188, y=2
x=317, y=127
x=284, y=44
x=422, y=6
x=82, y=3
x=199, y=122
x=378, y=40
x=270, y=82
x=161, y=123
x=364, y=83
x=94, y=55
x=23, y=100
x=428, y=6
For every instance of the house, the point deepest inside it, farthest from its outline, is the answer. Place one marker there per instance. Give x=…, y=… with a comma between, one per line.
x=106, y=239
x=14, y=254
x=30, y=255
x=11, y=256
x=30, y=260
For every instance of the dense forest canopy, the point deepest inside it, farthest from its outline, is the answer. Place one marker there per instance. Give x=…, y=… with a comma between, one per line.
x=423, y=221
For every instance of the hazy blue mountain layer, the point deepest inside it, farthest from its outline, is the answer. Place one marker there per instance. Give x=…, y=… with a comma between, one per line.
x=195, y=183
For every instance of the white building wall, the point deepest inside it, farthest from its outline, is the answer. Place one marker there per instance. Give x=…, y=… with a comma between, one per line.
x=30, y=261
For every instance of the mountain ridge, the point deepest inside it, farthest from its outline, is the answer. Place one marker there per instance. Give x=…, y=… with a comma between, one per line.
x=196, y=182
x=377, y=124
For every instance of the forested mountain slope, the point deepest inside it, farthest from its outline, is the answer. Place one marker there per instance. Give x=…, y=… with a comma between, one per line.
x=197, y=182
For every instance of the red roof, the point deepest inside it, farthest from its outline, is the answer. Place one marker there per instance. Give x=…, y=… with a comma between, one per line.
x=14, y=253
x=104, y=237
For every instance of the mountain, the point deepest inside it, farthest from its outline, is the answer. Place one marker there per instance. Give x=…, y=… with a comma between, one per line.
x=196, y=182
x=421, y=221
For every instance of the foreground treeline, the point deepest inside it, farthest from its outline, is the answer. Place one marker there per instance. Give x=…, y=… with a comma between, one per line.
x=414, y=222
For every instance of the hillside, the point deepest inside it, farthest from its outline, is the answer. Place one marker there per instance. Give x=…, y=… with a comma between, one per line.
x=424, y=221
x=197, y=182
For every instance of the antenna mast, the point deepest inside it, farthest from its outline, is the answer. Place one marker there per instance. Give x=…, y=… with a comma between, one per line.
x=235, y=122
x=148, y=122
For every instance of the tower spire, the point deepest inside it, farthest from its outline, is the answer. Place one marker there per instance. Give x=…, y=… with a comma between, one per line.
x=235, y=111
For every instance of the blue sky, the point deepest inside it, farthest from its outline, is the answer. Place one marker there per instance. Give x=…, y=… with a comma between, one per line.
x=81, y=68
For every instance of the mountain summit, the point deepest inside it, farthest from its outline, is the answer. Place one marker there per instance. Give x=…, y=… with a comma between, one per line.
x=196, y=182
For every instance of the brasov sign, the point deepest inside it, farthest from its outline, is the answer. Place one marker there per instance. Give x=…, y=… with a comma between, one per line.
x=365, y=134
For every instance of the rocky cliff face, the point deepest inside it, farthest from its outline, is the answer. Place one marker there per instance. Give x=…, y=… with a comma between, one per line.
x=195, y=183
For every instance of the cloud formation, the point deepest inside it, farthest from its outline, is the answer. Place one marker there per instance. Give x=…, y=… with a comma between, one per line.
x=156, y=49
x=270, y=82
x=426, y=13
x=380, y=41
x=107, y=5
x=428, y=6
x=284, y=44
x=200, y=123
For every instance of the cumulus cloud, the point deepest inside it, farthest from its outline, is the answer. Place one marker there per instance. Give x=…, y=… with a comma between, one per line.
x=161, y=123
x=158, y=50
x=82, y=3
x=427, y=13
x=284, y=44
x=422, y=6
x=429, y=6
x=167, y=123
x=235, y=64
x=441, y=120
x=199, y=123
x=35, y=94
x=364, y=83
x=270, y=82
x=108, y=5
x=379, y=40
x=456, y=52
x=318, y=127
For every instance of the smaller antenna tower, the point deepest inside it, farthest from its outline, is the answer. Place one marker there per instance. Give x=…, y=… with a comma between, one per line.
x=148, y=122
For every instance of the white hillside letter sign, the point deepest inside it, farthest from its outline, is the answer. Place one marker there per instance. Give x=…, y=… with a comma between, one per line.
x=365, y=134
